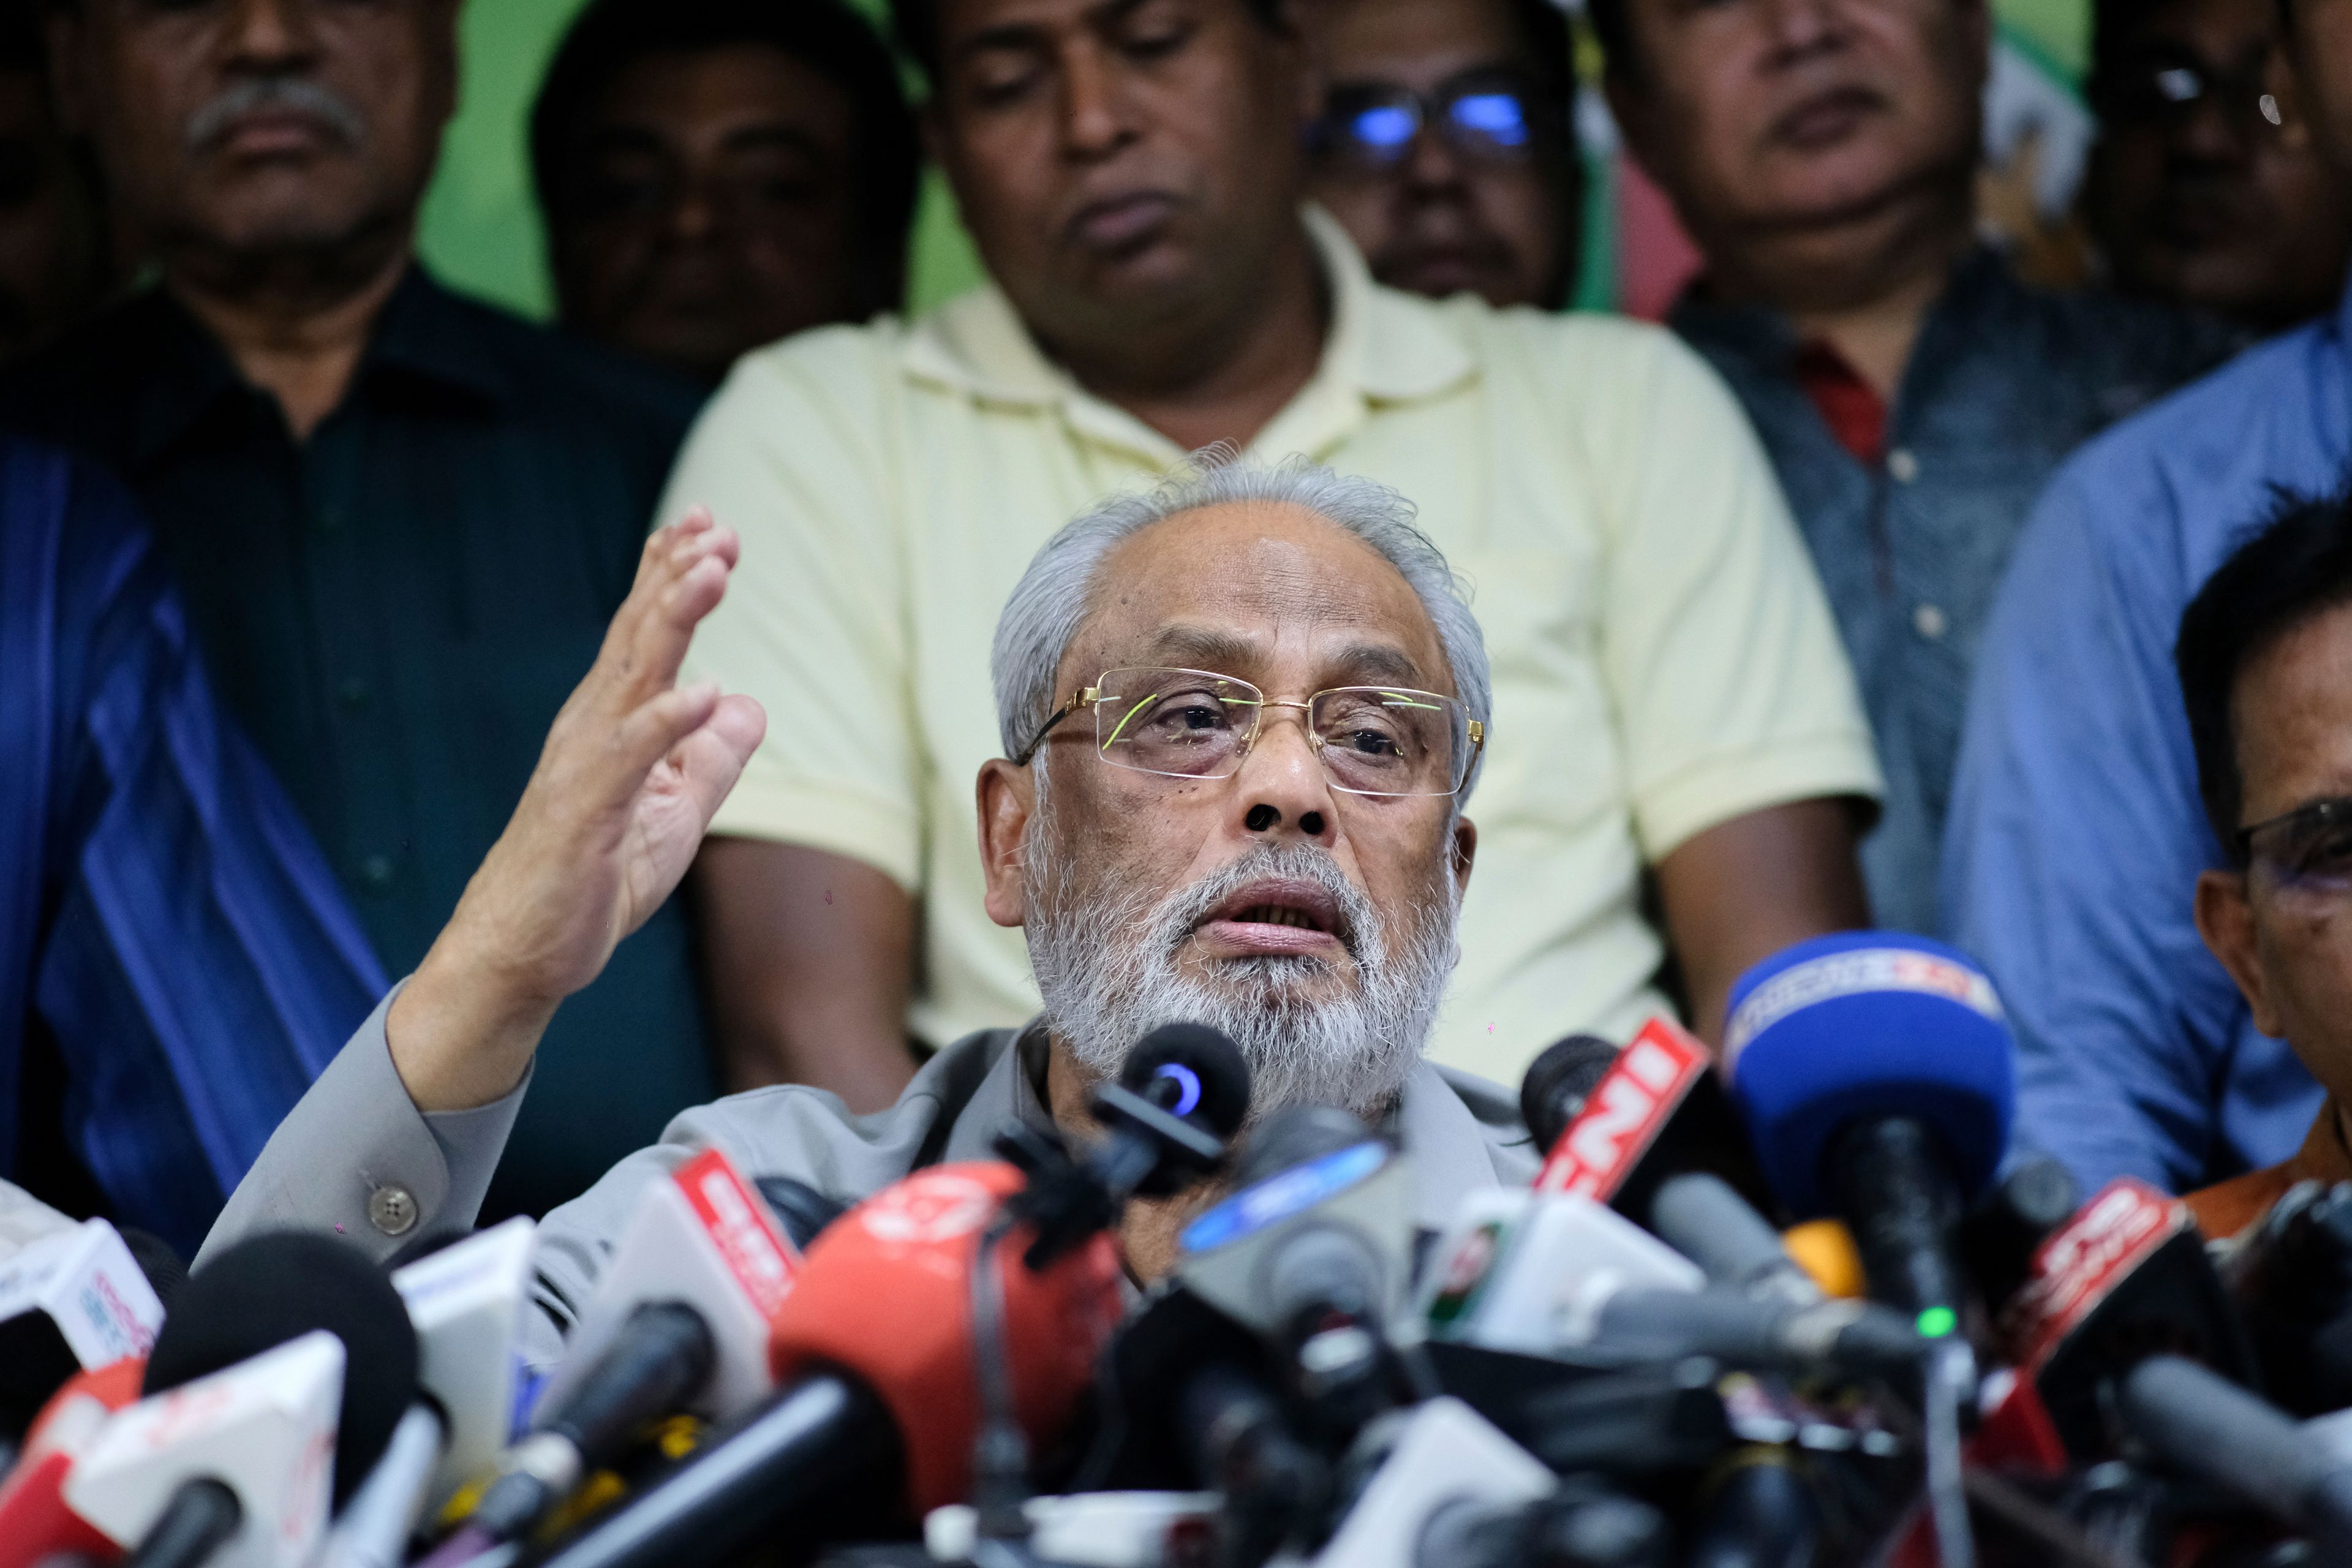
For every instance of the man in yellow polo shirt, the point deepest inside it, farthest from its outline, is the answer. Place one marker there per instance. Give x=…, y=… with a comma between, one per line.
x=1670, y=693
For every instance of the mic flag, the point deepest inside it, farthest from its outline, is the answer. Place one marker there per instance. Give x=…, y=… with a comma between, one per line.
x=1625, y=1112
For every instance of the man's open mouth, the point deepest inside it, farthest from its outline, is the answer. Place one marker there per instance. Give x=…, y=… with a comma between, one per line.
x=1277, y=916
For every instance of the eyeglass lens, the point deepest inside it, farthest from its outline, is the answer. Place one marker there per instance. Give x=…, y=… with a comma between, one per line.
x=1190, y=724
x=1380, y=125
x=2309, y=850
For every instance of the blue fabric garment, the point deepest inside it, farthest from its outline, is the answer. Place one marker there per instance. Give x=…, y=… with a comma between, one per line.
x=169, y=934
x=2004, y=383
x=2076, y=837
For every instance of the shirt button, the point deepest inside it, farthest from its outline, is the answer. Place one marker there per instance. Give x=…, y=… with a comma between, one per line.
x=376, y=871
x=392, y=1210
x=352, y=692
x=1929, y=622
x=1904, y=464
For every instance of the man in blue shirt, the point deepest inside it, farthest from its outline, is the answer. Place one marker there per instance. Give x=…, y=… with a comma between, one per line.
x=2076, y=834
x=177, y=963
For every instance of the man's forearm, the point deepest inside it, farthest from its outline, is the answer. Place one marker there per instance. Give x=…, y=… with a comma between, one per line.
x=1745, y=888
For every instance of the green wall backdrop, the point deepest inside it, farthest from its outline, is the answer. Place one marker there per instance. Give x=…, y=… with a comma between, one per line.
x=481, y=227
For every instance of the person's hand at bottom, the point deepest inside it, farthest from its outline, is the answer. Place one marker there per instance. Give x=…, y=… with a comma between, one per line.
x=633, y=768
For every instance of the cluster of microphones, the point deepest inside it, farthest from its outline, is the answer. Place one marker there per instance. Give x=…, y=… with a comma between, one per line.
x=1799, y=1304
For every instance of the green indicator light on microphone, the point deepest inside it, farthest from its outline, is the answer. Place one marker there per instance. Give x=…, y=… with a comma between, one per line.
x=1936, y=1322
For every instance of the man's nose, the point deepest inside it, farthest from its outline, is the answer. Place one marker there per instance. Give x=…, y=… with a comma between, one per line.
x=1801, y=28
x=1282, y=794
x=1095, y=118
x=1431, y=166
x=269, y=33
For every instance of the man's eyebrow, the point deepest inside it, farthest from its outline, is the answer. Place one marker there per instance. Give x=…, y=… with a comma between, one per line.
x=1373, y=662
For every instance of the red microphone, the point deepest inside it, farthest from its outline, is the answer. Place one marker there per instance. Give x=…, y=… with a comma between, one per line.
x=35, y=1521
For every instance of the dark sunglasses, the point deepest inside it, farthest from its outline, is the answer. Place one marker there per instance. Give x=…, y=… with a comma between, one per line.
x=1489, y=117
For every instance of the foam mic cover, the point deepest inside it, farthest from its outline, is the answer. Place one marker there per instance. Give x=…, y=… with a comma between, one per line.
x=1194, y=1072
x=1558, y=1083
x=36, y=1522
x=277, y=1287
x=1861, y=1025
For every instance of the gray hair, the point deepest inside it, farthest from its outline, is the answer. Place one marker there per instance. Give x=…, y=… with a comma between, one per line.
x=1057, y=594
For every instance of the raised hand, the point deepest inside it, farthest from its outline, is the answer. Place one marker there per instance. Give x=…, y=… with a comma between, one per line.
x=633, y=767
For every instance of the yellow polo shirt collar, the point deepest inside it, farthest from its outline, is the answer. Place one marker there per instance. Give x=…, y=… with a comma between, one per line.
x=1380, y=351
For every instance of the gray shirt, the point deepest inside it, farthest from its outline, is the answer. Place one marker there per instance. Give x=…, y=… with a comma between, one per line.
x=358, y=1158
x=2004, y=381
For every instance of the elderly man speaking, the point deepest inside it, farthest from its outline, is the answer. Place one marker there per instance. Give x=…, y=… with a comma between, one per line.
x=1241, y=716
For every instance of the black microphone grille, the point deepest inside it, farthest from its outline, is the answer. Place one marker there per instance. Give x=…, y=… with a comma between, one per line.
x=1552, y=1095
x=1213, y=1081
x=277, y=1287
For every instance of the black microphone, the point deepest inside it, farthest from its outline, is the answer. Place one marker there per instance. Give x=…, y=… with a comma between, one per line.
x=2209, y=1427
x=1183, y=1093
x=2126, y=1278
x=2291, y=1274
x=1760, y=1514
x=1651, y=1132
x=1585, y=1523
x=277, y=1287
x=2001, y=1233
x=1275, y=1487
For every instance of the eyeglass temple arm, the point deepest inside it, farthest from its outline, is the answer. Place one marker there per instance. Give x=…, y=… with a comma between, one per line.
x=1020, y=758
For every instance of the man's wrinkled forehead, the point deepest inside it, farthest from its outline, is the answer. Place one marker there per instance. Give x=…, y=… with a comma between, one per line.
x=1270, y=592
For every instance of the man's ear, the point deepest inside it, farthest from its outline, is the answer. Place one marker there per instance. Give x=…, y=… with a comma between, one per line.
x=1008, y=802
x=2225, y=918
x=1465, y=851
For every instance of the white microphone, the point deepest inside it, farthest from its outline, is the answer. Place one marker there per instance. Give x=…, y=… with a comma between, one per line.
x=1447, y=1454
x=374, y=1527
x=25, y=1219
x=704, y=1238
x=1529, y=1271
x=82, y=1283
x=467, y=1300
x=255, y=1442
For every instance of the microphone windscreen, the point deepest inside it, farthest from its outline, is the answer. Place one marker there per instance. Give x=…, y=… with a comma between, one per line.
x=166, y=1273
x=277, y=1287
x=1215, y=1080
x=1868, y=1024
x=1557, y=1083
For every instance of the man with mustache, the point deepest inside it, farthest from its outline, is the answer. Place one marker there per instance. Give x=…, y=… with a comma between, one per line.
x=1913, y=394
x=400, y=520
x=1241, y=717
x=1684, y=793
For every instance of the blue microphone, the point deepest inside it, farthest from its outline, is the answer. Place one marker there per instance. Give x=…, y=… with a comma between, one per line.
x=1875, y=1074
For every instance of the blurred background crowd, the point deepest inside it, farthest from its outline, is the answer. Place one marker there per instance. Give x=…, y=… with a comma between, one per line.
x=393, y=325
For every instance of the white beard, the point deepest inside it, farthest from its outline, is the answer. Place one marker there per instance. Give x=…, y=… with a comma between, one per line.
x=1108, y=973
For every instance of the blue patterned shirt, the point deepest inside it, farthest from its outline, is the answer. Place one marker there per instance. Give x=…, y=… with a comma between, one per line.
x=2004, y=381
x=177, y=962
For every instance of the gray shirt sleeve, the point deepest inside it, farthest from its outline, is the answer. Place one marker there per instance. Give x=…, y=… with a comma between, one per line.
x=356, y=1157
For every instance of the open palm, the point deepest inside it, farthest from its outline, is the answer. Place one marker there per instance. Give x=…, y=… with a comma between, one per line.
x=633, y=768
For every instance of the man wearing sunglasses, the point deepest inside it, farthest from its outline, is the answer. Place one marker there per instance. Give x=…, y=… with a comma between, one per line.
x=1133, y=172
x=1240, y=719
x=2199, y=191
x=2075, y=826
x=1446, y=147
x=1914, y=395
x=2266, y=661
